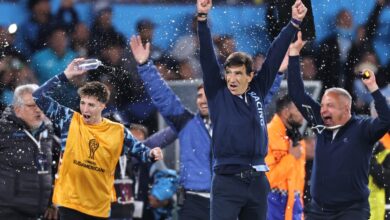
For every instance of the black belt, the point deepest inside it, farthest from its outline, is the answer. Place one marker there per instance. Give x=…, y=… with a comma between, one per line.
x=248, y=173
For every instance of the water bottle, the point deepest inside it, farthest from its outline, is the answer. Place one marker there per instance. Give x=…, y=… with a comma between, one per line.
x=88, y=64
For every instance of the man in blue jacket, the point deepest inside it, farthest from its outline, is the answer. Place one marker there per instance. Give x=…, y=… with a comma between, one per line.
x=194, y=132
x=236, y=103
x=344, y=145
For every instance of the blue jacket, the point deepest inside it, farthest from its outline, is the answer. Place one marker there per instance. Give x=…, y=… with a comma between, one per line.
x=341, y=166
x=195, y=155
x=239, y=130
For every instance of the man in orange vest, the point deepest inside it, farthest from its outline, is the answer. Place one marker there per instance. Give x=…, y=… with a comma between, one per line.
x=286, y=160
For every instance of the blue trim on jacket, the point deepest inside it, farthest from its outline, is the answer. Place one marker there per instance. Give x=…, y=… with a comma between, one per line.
x=341, y=165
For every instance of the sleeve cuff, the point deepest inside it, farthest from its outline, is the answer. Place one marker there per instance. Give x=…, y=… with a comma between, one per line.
x=62, y=77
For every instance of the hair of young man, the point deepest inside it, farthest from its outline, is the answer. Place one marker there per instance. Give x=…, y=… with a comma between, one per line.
x=340, y=92
x=239, y=59
x=95, y=89
x=140, y=128
x=282, y=103
x=17, y=100
x=201, y=86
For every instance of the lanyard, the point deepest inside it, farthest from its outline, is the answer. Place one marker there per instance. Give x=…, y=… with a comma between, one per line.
x=38, y=143
x=122, y=166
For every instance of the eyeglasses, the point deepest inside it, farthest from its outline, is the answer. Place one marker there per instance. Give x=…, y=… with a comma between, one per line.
x=33, y=105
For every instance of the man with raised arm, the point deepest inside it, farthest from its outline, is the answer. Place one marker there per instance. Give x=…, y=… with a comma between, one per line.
x=91, y=147
x=344, y=145
x=236, y=103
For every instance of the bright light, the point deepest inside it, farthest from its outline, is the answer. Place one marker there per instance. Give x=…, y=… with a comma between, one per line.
x=12, y=28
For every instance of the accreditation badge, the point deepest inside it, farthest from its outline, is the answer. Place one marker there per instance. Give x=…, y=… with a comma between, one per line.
x=42, y=163
x=125, y=193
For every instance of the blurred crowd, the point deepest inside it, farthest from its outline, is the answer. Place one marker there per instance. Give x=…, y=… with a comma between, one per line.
x=47, y=42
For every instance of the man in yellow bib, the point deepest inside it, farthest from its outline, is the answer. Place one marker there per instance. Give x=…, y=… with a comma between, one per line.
x=91, y=147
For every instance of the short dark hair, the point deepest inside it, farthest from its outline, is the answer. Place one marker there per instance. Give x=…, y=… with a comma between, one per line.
x=95, y=89
x=282, y=103
x=32, y=3
x=239, y=59
x=201, y=86
x=144, y=24
x=140, y=128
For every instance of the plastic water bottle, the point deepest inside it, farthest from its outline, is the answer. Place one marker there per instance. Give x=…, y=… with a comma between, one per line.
x=89, y=64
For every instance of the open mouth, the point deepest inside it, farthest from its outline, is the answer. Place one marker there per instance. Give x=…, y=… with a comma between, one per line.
x=87, y=116
x=327, y=119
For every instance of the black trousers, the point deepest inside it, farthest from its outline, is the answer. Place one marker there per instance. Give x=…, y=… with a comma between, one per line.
x=12, y=214
x=195, y=208
x=71, y=214
x=355, y=211
x=235, y=197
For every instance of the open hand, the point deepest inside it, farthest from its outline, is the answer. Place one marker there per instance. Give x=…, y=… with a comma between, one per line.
x=140, y=52
x=72, y=70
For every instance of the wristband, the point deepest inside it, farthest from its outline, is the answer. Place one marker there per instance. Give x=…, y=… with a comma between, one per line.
x=296, y=21
x=144, y=63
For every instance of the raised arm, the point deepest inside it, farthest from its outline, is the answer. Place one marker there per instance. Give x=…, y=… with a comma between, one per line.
x=377, y=127
x=162, y=95
x=137, y=149
x=296, y=89
x=265, y=77
x=278, y=80
x=212, y=77
x=57, y=113
x=161, y=138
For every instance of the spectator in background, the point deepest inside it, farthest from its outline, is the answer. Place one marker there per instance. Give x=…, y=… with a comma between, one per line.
x=168, y=68
x=47, y=62
x=225, y=45
x=286, y=161
x=33, y=33
x=258, y=61
x=13, y=72
x=186, y=71
x=27, y=144
x=79, y=39
x=334, y=51
x=363, y=44
x=7, y=44
x=186, y=49
x=103, y=31
x=67, y=16
x=339, y=52
x=309, y=68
